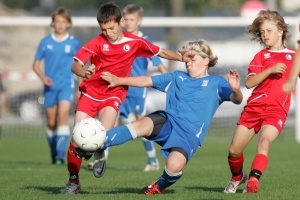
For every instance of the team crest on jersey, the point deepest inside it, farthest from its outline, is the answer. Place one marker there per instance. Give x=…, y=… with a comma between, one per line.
x=288, y=56
x=105, y=47
x=267, y=55
x=205, y=83
x=126, y=47
x=67, y=48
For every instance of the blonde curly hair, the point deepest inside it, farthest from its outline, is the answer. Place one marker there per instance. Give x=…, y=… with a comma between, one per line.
x=201, y=47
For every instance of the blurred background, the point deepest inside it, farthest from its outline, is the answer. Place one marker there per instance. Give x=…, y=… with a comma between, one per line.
x=168, y=23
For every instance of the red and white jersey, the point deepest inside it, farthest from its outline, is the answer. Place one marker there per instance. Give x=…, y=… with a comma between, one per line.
x=270, y=88
x=114, y=57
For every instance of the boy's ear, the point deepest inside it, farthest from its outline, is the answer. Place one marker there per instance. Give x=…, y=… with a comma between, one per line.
x=122, y=22
x=140, y=21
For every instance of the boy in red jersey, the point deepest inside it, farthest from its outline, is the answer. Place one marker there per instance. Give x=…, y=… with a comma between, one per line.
x=114, y=51
x=289, y=86
x=268, y=106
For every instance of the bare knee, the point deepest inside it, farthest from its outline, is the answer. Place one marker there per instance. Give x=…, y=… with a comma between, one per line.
x=234, y=152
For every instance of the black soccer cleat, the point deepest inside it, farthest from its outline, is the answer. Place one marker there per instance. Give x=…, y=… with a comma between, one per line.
x=83, y=154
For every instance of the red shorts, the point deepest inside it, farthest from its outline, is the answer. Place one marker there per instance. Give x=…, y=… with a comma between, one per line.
x=257, y=114
x=92, y=107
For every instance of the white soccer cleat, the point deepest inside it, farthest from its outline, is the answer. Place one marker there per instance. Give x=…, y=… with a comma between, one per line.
x=99, y=164
x=233, y=185
x=152, y=166
x=71, y=188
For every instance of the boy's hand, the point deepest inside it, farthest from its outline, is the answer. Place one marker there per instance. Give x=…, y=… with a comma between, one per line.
x=234, y=79
x=187, y=55
x=112, y=79
x=90, y=71
x=288, y=87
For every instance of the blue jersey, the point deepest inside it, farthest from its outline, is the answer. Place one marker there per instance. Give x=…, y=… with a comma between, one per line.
x=192, y=102
x=58, y=59
x=140, y=68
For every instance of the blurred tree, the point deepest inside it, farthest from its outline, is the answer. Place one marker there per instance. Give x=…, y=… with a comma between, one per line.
x=191, y=7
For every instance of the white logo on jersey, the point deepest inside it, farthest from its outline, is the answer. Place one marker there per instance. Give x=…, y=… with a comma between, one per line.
x=67, y=48
x=267, y=55
x=288, y=56
x=49, y=46
x=116, y=104
x=182, y=78
x=105, y=47
x=205, y=83
x=126, y=47
x=280, y=123
x=200, y=131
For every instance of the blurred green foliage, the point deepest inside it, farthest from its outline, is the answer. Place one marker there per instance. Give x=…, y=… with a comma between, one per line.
x=191, y=7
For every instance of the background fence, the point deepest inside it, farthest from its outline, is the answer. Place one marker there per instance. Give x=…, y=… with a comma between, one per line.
x=19, y=37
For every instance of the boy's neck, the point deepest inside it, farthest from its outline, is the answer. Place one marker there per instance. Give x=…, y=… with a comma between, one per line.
x=136, y=32
x=60, y=36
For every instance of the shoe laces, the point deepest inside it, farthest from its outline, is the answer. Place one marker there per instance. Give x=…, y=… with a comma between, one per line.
x=153, y=189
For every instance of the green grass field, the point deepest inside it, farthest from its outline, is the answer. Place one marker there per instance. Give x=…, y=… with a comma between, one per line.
x=26, y=172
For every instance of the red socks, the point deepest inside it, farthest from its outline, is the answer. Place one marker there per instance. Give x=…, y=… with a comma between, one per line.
x=260, y=162
x=74, y=164
x=236, y=167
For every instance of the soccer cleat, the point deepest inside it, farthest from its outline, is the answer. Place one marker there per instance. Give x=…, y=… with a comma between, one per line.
x=233, y=185
x=151, y=189
x=251, y=186
x=82, y=154
x=59, y=162
x=152, y=166
x=71, y=188
x=99, y=164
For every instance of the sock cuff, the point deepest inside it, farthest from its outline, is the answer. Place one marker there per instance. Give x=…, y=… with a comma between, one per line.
x=132, y=131
x=171, y=173
x=49, y=132
x=236, y=158
x=63, y=130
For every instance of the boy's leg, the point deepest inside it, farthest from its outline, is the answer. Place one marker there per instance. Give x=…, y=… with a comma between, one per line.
x=153, y=163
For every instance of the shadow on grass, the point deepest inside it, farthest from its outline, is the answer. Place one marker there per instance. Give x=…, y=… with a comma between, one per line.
x=206, y=189
x=57, y=190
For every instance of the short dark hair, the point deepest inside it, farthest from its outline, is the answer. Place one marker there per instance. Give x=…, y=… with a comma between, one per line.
x=109, y=12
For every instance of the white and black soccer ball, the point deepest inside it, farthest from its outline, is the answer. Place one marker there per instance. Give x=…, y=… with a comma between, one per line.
x=89, y=134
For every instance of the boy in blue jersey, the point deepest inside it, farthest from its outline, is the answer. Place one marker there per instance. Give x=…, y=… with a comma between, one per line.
x=192, y=100
x=57, y=51
x=133, y=106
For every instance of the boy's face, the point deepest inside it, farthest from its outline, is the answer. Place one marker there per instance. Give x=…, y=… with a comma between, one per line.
x=60, y=24
x=196, y=64
x=270, y=34
x=112, y=30
x=132, y=22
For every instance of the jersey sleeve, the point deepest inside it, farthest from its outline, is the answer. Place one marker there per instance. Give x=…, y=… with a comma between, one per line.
x=224, y=89
x=255, y=65
x=147, y=49
x=39, y=55
x=161, y=82
x=89, y=50
x=155, y=59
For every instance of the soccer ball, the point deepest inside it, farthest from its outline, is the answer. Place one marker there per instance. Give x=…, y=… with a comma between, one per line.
x=89, y=134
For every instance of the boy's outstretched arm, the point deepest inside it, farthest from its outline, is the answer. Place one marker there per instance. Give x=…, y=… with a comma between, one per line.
x=171, y=55
x=234, y=81
x=137, y=81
